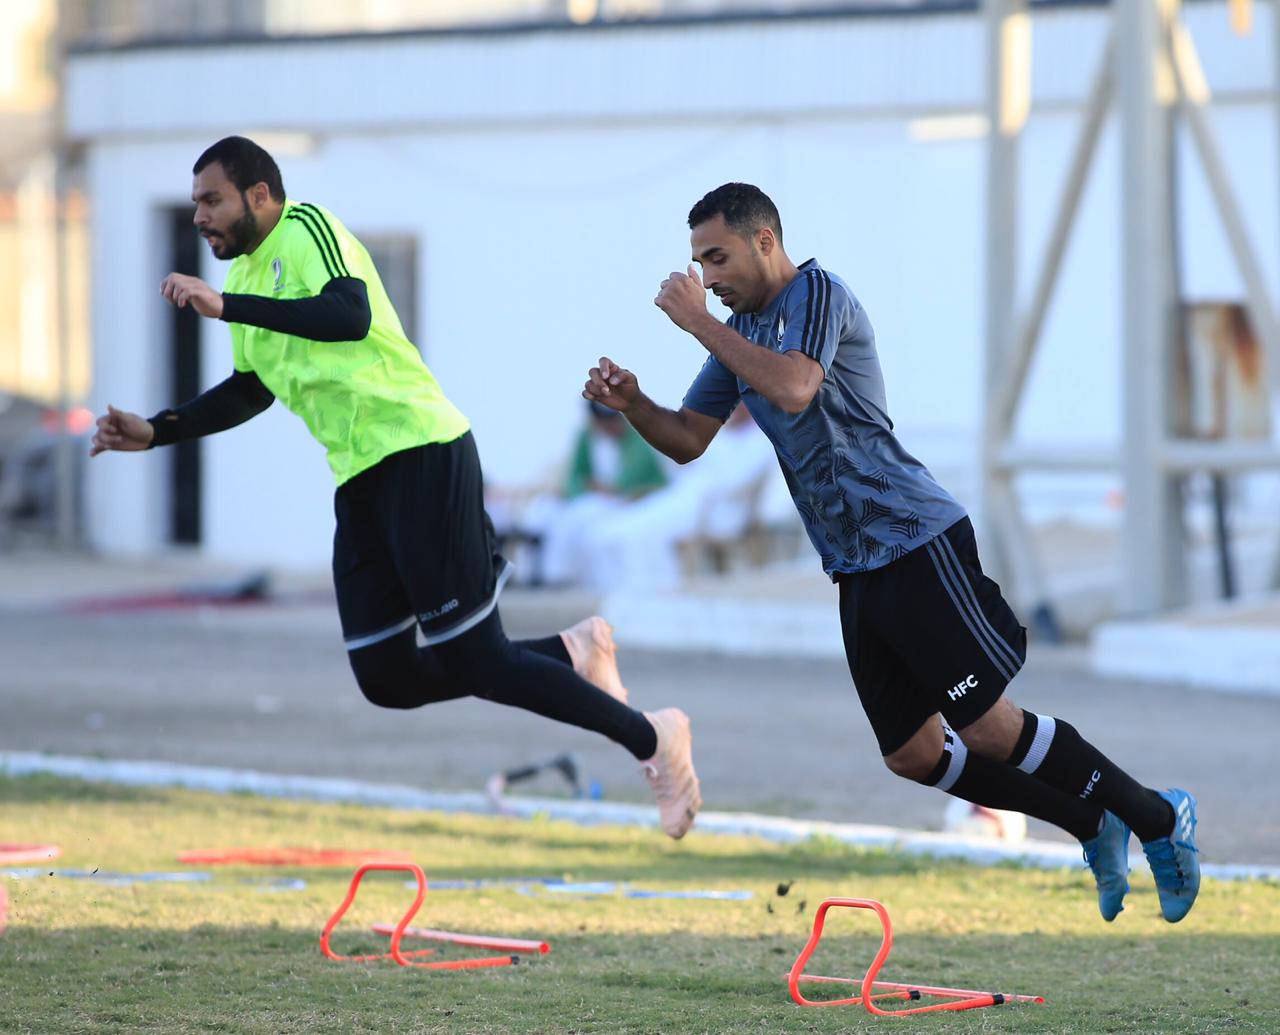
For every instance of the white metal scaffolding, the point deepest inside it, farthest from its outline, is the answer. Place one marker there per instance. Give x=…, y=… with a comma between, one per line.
x=1150, y=74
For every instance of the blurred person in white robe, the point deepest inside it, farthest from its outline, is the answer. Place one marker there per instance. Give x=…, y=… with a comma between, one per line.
x=638, y=546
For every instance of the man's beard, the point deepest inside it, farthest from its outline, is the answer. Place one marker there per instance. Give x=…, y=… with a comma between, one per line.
x=240, y=234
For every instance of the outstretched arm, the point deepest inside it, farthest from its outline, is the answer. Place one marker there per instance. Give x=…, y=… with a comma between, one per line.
x=682, y=434
x=232, y=402
x=340, y=312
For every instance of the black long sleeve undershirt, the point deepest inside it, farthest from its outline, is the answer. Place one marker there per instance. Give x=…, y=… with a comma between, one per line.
x=223, y=406
x=339, y=313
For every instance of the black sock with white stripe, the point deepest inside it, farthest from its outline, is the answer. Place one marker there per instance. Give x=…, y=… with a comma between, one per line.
x=1052, y=751
x=968, y=775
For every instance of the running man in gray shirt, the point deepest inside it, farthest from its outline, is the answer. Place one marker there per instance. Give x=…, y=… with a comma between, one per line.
x=930, y=640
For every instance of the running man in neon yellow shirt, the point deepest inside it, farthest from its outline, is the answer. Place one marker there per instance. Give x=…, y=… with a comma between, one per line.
x=414, y=550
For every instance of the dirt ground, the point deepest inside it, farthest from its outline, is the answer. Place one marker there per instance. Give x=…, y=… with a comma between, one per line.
x=267, y=687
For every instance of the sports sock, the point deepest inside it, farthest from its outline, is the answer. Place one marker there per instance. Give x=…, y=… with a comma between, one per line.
x=516, y=675
x=968, y=775
x=1052, y=751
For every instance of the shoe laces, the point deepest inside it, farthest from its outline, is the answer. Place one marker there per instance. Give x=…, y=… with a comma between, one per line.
x=667, y=776
x=1164, y=861
x=658, y=775
x=1093, y=856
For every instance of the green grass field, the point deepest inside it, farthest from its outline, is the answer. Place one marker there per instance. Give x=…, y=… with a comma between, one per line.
x=238, y=954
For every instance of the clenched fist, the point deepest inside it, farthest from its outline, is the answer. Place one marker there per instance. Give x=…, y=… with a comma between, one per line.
x=125, y=432
x=611, y=386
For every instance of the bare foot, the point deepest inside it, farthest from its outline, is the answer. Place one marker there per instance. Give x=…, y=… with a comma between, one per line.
x=594, y=655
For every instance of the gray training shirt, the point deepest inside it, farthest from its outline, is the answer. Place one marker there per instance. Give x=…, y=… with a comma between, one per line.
x=864, y=500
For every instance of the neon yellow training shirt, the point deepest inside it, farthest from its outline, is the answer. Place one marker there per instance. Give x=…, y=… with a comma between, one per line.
x=362, y=400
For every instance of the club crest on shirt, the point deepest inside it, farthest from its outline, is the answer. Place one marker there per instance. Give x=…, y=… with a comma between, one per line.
x=277, y=267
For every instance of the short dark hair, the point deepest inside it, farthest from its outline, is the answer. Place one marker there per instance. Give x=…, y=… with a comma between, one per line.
x=745, y=208
x=245, y=164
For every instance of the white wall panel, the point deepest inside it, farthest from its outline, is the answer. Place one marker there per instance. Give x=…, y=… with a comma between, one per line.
x=547, y=176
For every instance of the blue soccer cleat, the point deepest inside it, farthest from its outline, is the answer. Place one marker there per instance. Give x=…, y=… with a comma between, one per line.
x=1173, y=859
x=1108, y=858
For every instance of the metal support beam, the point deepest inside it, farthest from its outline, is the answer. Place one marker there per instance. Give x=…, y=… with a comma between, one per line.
x=1058, y=458
x=1186, y=455
x=1008, y=99
x=1151, y=69
x=1152, y=537
x=1012, y=377
x=1193, y=96
x=1193, y=90
x=1180, y=456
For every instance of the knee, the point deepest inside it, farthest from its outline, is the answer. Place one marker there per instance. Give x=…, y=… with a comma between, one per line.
x=380, y=680
x=479, y=656
x=918, y=757
x=383, y=693
x=995, y=734
x=913, y=762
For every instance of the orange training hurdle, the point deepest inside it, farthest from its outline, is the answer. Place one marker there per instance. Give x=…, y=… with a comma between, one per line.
x=870, y=989
x=479, y=941
x=290, y=856
x=398, y=931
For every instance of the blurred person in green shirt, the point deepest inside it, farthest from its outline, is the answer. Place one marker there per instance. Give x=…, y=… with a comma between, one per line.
x=611, y=458
x=610, y=467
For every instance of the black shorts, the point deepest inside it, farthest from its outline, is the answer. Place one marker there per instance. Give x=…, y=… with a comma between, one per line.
x=929, y=633
x=413, y=544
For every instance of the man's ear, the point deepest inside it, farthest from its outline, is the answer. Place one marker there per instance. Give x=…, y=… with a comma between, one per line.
x=765, y=240
x=259, y=194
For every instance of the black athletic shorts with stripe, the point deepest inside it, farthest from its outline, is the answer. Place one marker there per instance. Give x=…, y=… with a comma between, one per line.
x=929, y=633
x=413, y=544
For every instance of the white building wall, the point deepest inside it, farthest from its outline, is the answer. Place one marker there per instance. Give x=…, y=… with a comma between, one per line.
x=547, y=176
x=127, y=495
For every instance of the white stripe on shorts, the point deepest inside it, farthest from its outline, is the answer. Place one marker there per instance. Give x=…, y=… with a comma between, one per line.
x=356, y=642
x=477, y=616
